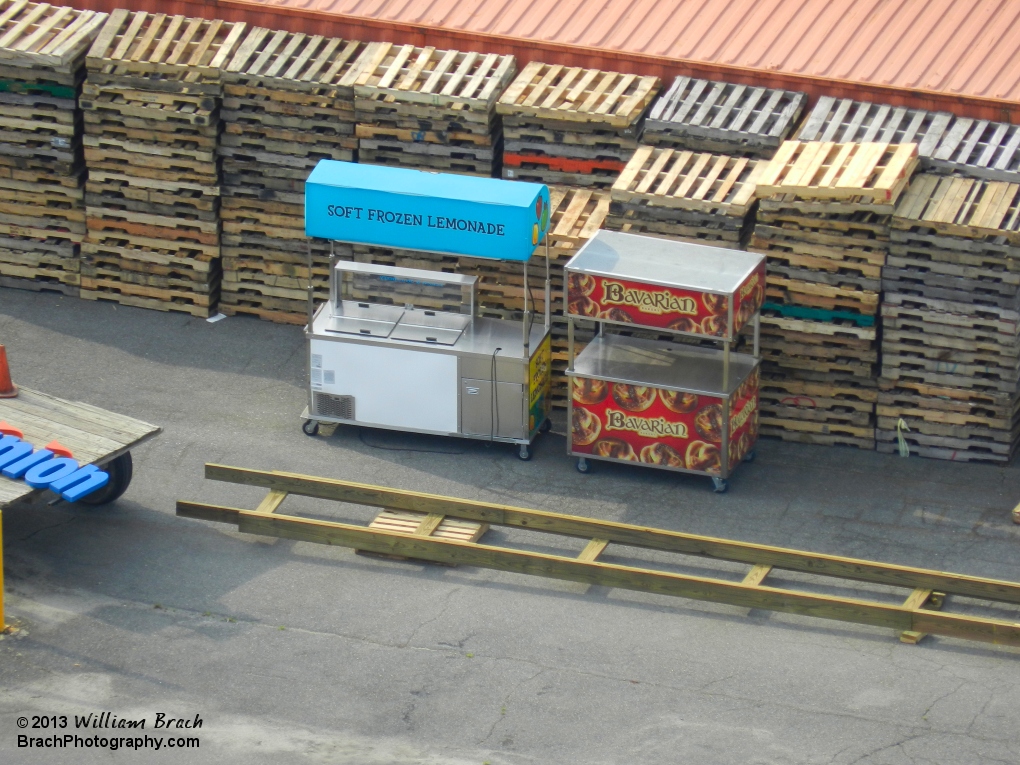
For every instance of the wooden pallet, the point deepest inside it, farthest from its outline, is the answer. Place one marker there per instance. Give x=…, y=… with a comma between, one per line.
x=979, y=149
x=441, y=79
x=872, y=172
x=925, y=282
x=142, y=44
x=718, y=116
x=692, y=181
x=145, y=297
x=422, y=107
x=961, y=207
x=973, y=449
x=949, y=406
x=843, y=120
x=819, y=433
x=574, y=94
x=818, y=295
x=953, y=318
x=37, y=284
x=43, y=36
x=288, y=61
x=427, y=525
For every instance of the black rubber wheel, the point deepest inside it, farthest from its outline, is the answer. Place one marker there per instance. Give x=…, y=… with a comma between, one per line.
x=120, y=471
x=310, y=428
x=546, y=426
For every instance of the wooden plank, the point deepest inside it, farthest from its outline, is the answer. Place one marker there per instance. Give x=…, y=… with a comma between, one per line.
x=429, y=524
x=271, y=502
x=756, y=575
x=593, y=550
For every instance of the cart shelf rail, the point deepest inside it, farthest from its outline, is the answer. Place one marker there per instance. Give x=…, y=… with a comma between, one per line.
x=916, y=616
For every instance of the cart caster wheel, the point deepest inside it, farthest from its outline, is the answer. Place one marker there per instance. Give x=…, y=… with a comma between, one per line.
x=546, y=426
x=720, y=485
x=583, y=466
x=120, y=471
x=524, y=453
x=310, y=428
x=749, y=457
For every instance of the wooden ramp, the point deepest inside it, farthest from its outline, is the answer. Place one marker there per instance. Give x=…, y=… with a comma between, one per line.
x=914, y=616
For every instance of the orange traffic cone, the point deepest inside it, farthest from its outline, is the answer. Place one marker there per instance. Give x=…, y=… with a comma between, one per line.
x=7, y=388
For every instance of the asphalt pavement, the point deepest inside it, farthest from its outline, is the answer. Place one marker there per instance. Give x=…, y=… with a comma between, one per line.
x=288, y=651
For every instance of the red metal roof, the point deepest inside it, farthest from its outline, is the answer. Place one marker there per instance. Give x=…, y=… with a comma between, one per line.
x=961, y=55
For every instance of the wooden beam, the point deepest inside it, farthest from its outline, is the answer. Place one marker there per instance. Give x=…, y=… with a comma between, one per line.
x=622, y=533
x=611, y=575
x=921, y=598
x=429, y=524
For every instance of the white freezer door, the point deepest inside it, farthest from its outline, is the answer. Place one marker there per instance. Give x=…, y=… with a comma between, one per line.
x=391, y=386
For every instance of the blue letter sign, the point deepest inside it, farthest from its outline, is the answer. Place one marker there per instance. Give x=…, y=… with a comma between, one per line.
x=63, y=476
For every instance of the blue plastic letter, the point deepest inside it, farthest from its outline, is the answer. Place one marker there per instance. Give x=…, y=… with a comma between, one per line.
x=43, y=474
x=13, y=449
x=80, y=483
x=22, y=466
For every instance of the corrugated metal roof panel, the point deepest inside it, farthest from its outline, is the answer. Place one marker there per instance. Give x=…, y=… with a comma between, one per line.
x=924, y=53
x=966, y=47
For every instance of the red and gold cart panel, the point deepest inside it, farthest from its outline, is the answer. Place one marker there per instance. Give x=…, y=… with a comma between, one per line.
x=665, y=428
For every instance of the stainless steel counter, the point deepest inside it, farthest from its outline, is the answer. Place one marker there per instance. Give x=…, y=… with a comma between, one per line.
x=661, y=365
x=480, y=337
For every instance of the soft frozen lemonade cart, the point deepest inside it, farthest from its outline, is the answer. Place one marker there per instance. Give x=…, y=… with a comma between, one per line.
x=404, y=348
x=653, y=402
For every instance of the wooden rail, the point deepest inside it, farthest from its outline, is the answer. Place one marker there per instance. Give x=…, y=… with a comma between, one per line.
x=913, y=618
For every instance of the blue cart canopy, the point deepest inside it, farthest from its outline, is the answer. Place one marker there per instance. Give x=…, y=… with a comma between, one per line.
x=418, y=210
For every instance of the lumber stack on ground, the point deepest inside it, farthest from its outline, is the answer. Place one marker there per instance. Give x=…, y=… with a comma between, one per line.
x=703, y=115
x=286, y=105
x=576, y=215
x=823, y=224
x=430, y=109
x=152, y=103
x=42, y=167
x=951, y=322
x=572, y=126
x=695, y=197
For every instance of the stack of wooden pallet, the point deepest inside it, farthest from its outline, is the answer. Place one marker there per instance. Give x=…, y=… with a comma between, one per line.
x=430, y=109
x=42, y=198
x=951, y=321
x=152, y=120
x=703, y=115
x=572, y=126
x=286, y=106
x=701, y=198
x=823, y=224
